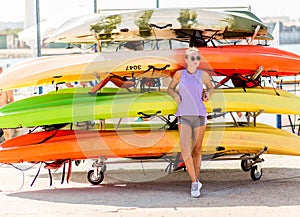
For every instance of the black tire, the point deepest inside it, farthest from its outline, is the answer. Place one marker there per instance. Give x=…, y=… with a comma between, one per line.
x=95, y=180
x=255, y=173
x=246, y=165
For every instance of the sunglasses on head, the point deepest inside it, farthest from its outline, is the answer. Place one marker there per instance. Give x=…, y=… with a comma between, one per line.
x=195, y=58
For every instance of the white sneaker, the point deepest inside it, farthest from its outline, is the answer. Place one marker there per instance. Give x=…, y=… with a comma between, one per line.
x=195, y=189
x=199, y=185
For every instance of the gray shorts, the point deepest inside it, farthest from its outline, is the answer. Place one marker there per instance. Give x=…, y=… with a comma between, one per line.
x=192, y=120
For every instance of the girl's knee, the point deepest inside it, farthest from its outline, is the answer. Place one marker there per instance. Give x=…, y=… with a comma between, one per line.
x=196, y=151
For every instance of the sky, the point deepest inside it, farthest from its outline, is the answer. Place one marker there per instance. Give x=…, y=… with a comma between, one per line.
x=14, y=10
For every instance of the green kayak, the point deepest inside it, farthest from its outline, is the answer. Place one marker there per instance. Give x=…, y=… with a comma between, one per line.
x=75, y=107
x=68, y=106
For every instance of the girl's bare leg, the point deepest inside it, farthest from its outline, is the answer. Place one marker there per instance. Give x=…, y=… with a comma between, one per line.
x=198, y=135
x=185, y=133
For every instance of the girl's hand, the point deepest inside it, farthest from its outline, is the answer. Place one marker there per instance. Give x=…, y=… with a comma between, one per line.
x=205, y=96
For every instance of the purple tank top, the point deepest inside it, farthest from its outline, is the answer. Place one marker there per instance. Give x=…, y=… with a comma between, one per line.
x=190, y=91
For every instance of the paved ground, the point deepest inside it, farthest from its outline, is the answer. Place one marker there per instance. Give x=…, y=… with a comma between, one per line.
x=127, y=190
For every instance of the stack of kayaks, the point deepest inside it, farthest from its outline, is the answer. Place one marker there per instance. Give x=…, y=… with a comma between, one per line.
x=64, y=107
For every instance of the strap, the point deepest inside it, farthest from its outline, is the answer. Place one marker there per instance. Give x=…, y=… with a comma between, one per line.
x=49, y=137
x=63, y=173
x=36, y=175
x=50, y=176
x=100, y=85
x=69, y=171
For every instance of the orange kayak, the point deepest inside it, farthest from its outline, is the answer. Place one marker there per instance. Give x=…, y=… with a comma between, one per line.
x=221, y=60
x=70, y=144
x=224, y=139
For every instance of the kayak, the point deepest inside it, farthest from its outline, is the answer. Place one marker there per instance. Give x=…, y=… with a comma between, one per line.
x=68, y=107
x=217, y=61
x=220, y=139
x=163, y=23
